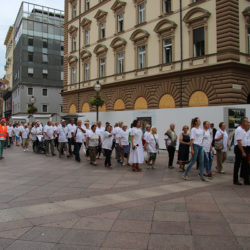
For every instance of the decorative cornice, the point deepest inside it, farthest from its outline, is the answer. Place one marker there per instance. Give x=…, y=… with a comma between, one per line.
x=72, y=29
x=118, y=5
x=100, y=14
x=72, y=59
x=100, y=49
x=85, y=22
x=139, y=35
x=85, y=54
x=118, y=42
x=200, y=15
x=164, y=26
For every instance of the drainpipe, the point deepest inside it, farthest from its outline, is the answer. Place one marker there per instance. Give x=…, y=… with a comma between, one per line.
x=181, y=49
x=79, y=61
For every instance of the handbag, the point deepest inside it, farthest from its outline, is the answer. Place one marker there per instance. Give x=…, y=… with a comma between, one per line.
x=218, y=145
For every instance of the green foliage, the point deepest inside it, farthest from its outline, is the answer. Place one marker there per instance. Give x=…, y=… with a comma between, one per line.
x=97, y=101
x=32, y=109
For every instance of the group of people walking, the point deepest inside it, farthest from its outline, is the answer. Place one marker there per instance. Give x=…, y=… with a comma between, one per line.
x=133, y=147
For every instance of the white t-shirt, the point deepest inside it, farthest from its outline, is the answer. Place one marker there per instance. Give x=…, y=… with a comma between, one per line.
x=124, y=135
x=197, y=136
x=151, y=143
x=248, y=138
x=10, y=130
x=137, y=134
x=146, y=134
x=240, y=134
x=50, y=131
x=33, y=133
x=56, y=131
x=16, y=131
x=93, y=139
x=225, y=139
x=116, y=132
x=100, y=131
x=207, y=140
x=79, y=135
x=63, y=133
x=25, y=132
x=72, y=129
x=107, y=140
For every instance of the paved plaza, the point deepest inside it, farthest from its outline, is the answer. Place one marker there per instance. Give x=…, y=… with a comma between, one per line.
x=52, y=203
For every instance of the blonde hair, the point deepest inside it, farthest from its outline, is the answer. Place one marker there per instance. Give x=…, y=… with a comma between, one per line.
x=155, y=129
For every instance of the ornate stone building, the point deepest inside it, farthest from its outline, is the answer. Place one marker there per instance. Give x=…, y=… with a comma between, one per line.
x=151, y=54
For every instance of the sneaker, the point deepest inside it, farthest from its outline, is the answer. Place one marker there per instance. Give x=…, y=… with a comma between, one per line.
x=185, y=177
x=153, y=167
x=110, y=167
x=204, y=179
x=124, y=164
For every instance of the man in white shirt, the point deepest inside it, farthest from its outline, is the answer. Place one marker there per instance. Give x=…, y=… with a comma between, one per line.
x=49, y=138
x=240, y=150
x=10, y=132
x=79, y=137
x=63, y=138
x=72, y=129
x=116, y=132
x=24, y=132
x=99, y=131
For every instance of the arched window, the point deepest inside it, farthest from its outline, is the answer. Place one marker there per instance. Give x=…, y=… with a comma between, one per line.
x=198, y=99
x=85, y=108
x=167, y=101
x=103, y=108
x=72, y=109
x=119, y=105
x=141, y=103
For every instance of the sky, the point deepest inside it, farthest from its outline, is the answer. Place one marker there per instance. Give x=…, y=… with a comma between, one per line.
x=9, y=10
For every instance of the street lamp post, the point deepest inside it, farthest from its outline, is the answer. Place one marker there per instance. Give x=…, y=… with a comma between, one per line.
x=32, y=102
x=97, y=88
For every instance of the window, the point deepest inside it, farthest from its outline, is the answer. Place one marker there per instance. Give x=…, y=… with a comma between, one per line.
x=87, y=5
x=166, y=6
x=102, y=31
x=120, y=63
x=73, y=75
x=62, y=60
x=199, y=42
x=45, y=92
x=73, y=43
x=141, y=57
x=30, y=91
x=102, y=67
x=62, y=46
x=248, y=40
x=86, y=37
x=45, y=73
x=167, y=50
x=30, y=41
x=73, y=11
x=45, y=108
x=86, y=71
x=141, y=13
x=30, y=72
x=120, y=23
x=45, y=43
x=30, y=56
x=62, y=75
x=45, y=59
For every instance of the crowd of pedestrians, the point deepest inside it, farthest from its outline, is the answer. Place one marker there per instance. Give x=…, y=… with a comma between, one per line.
x=133, y=147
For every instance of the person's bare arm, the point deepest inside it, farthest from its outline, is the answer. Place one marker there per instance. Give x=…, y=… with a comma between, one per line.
x=241, y=148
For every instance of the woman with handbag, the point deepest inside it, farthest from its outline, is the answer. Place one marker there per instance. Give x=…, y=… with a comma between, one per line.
x=221, y=146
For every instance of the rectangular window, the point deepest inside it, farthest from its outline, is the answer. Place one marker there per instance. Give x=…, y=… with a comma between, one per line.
x=30, y=41
x=45, y=92
x=248, y=40
x=102, y=67
x=199, y=42
x=30, y=72
x=30, y=91
x=62, y=60
x=62, y=75
x=45, y=59
x=141, y=57
x=62, y=46
x=102, y=31
x=73, y=75
x=86, y=37
x=45, y=108
x=167, y=50
x=87, y=5
x=120, y=63
x=120, y=23
x=45, y=74
x=141, y=13
x=86, y=71
x=30, y=56
x=74, y=43
x=45, y=43
x=167, y=6
x=73, y=11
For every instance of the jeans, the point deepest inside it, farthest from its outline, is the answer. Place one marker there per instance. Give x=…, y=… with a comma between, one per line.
x=78, y=146
x=51, y=143
x=70, y=143
x=1, y=147
x=208, y=161
x=171, y=151
x=108, y=157
x=198, y=153
x=240, y=162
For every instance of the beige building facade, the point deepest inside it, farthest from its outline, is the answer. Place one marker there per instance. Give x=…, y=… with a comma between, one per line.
x=156, y=54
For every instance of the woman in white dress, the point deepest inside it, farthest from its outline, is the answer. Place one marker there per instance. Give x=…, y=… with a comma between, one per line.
x=136, y=156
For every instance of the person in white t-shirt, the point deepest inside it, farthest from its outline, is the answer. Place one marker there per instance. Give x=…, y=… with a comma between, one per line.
x=196, y=148
x=207, y=147
x=146, y=134
x=49, y=138
x=79, y=138
x=87, y=128
x=221, y=137
x=240, y=150
x=124, y=144
x=72, y=129
x=63, y=131
x=17, y=133
x=10, y=132
x=116, y=131
x=24, y=132
x=99, y=131
x=107, y=146
x=56, y=135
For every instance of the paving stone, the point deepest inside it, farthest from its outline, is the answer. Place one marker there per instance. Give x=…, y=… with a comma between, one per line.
x=30, y=245
x=126, y=240
x=170, y=228
x=108, y=215
x=4, y=243
x=171, y=216
x=237, y=218
x=62, y=224
x=163, y=241
x=244, y=243
x=14, y=233
x=73, y=247
x=241, y=229
x=136, y=214
x=174, y=207
x=132, y=226
x=84, y=237
x=206, y=217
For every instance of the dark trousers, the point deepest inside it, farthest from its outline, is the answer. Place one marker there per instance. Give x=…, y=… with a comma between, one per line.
x=56, y=142
x=240, y=162
x=77, y=150
x=87, y=150
x=171, y=151
x=107, y=153
x=9, y=142
x=70, y=144
x=99, y=150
